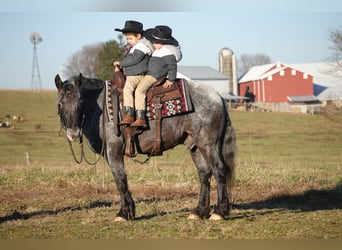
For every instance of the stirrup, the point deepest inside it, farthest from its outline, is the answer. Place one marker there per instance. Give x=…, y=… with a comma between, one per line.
x=127, y=121
x=139, y=123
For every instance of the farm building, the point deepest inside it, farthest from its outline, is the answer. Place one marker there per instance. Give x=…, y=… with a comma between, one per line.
x=205, y=75
x=327, y=82
x=277, y=83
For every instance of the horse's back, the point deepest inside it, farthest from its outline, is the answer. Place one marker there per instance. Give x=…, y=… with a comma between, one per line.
x=208, y=104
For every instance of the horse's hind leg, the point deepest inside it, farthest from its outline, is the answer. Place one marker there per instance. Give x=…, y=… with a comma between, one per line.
x=220, y=171
x=203, y=208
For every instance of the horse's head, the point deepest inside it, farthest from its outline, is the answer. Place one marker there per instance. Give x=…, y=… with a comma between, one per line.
x=69, y=110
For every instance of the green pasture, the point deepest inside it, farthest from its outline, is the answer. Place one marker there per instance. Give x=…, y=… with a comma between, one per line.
x=288, y=181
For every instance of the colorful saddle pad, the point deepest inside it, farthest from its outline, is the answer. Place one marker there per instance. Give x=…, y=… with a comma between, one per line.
x=178, y=101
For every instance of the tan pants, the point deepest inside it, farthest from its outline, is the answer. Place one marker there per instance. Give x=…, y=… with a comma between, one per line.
x=128, y=91
x=140, y=84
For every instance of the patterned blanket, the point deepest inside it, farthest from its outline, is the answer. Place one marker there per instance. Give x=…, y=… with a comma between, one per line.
x=174, y=106
x=169, y=108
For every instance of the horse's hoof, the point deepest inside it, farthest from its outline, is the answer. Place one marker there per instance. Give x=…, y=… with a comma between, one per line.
x=193, y=217
x=215, y=217
x=120, y=219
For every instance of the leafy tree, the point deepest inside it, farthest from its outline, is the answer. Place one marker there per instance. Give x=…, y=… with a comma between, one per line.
x=95, y=60
x=111, y=51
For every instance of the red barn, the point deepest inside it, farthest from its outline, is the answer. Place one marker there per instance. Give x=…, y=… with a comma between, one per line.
x=276, y=82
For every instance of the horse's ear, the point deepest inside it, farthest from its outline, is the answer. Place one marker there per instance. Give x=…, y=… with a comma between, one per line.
x=58, y=82
x=78, y=82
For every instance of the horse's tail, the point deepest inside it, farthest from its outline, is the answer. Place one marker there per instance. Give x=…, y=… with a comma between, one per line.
x=229, y=151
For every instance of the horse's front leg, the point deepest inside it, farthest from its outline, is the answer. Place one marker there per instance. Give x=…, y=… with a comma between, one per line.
x=127, y=210
x=116, y=163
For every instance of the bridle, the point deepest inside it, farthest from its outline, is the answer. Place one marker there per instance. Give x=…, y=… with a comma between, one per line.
x=61, y=119
x=82, y=157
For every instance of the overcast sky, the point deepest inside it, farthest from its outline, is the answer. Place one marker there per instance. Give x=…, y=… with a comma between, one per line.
x=289, y=31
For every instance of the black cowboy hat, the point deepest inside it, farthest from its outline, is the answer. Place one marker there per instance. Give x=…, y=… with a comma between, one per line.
x=161, y=34
x=132, y=26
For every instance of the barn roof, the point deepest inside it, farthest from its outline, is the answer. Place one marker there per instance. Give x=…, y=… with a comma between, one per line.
x=263, y=71
x=321, y=73
x=201, y=73
x=331, y=93
x=256, y=72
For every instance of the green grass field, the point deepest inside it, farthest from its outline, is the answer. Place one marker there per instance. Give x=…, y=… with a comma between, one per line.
x=288, y=181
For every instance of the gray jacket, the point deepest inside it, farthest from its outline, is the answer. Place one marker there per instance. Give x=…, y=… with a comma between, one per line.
x=163, y=62
x=136, y=61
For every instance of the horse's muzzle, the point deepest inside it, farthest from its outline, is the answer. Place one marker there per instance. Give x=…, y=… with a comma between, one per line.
x=73, y=134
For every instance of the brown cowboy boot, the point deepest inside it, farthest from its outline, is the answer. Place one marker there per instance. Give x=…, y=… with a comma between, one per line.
x=141, y=119
x=128, y=116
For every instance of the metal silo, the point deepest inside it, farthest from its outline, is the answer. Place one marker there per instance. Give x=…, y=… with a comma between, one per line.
x=227, y=64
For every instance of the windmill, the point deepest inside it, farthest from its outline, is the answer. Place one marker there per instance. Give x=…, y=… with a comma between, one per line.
x=36, y=83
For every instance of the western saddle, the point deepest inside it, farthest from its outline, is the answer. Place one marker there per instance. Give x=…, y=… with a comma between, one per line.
x=157, y=94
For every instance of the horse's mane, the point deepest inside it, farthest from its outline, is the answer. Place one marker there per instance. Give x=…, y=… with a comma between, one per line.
x=91, y=88
x=92, y=84
x=87, y=83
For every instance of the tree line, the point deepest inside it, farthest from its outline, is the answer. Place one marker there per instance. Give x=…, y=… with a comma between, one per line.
x=97, y=60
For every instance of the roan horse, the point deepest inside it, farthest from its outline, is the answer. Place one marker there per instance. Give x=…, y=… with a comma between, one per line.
x=207, y=131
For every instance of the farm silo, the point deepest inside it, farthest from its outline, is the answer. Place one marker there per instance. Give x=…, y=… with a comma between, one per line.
x=227, y=64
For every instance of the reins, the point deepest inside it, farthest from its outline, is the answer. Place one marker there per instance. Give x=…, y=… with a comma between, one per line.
x=83, y=155
x=73, y=153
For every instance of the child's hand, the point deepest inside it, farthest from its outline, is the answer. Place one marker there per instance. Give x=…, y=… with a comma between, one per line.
x=167, y=84
x=116, y=65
